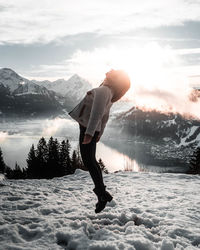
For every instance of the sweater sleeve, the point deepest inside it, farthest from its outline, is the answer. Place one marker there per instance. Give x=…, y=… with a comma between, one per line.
x=101, y=96
x=104, y=121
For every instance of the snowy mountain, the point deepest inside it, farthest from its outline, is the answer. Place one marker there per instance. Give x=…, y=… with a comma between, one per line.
x=11, y=79
x=75, y=86
x=120, y=107
x=149, y=211
x=31, y=88
x=69, y=92
x=167, y=139
x=22, y=97
x=159, y=126
x=19, y=85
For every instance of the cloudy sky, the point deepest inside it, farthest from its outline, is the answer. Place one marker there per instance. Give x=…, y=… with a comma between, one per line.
x=55, y=39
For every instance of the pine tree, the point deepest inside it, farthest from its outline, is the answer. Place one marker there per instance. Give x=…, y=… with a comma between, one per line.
x=24, y=173
x=31, y=163
x=8, y=173
x=70, y=168
x=17, y=172
x=58, y=170
x=102, y=166
x=77, y=161
x=195, y=162
x=53, y=165
x=41, y=159
x=2, y=163
x=62, y=157
x=65, y=159
x=74, y=159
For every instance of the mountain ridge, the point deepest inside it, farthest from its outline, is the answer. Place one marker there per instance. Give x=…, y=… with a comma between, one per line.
x=75, y=85
x=21, y=97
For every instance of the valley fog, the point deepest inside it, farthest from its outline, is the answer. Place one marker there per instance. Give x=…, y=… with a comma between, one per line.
x=17, y=137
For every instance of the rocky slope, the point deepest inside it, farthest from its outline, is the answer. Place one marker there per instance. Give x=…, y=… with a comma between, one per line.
x=166, y=138
x=158, y=126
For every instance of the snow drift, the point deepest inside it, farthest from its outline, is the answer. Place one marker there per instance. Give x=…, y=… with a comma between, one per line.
x=149, y=211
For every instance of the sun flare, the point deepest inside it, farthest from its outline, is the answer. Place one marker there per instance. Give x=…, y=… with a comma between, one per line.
x=155, y=72
x=149, y=66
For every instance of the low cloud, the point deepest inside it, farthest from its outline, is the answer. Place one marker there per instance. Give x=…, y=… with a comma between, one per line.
x=58, y=127
x=3, y=136
x=168, y=101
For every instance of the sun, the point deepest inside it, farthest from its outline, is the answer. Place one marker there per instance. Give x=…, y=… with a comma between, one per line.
x=154, y=70
x=147, y=65
x=150, y=67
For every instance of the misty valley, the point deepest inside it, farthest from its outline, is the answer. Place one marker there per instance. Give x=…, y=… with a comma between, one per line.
x=117, y=152
x=17, y=138
x=135, y=139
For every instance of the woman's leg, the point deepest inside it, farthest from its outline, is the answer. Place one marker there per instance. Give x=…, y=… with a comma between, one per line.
x=88, y=156
x=99, y=169
x=88, y=152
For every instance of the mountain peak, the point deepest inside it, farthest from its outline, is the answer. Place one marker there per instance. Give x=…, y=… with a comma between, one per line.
x=7, y=69
x=9, y=72
x=76, y=77
x=78, y=80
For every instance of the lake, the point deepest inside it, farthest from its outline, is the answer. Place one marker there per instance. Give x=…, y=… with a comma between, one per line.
x=17, y=137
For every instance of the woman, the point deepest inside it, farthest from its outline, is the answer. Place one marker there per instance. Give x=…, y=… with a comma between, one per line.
x=92, y=114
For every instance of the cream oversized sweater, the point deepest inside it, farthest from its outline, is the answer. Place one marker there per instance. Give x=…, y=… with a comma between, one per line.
x=93, y=110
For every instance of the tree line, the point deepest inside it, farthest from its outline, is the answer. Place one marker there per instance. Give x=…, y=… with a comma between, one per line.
x=48, y=160
x=195, y=162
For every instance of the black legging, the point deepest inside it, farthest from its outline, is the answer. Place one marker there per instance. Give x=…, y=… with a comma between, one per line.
x=88, y=152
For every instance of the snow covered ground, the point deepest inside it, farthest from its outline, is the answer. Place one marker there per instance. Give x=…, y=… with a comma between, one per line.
x=149, y=211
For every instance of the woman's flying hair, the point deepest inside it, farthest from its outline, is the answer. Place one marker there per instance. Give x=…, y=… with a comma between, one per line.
x=119, y=82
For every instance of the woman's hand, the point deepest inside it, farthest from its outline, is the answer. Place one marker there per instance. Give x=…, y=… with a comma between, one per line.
x=87, y=139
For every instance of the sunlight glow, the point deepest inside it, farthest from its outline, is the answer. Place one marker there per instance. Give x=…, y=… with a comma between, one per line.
x=147, y=66
x=119, y=161
x=157, y=80
x=3, y=136
x=50, y=127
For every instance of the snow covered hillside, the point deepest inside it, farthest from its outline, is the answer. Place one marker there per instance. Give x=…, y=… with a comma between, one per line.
x=149, y=211
x=69, y=92
x=19, y=85
x=171, y=137
x=10, y=79
x=119, y=107
x=20, y=97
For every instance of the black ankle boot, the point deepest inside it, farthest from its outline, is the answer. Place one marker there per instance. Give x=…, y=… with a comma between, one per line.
x=100, y=205
x=108, y=196
x=103, y=197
